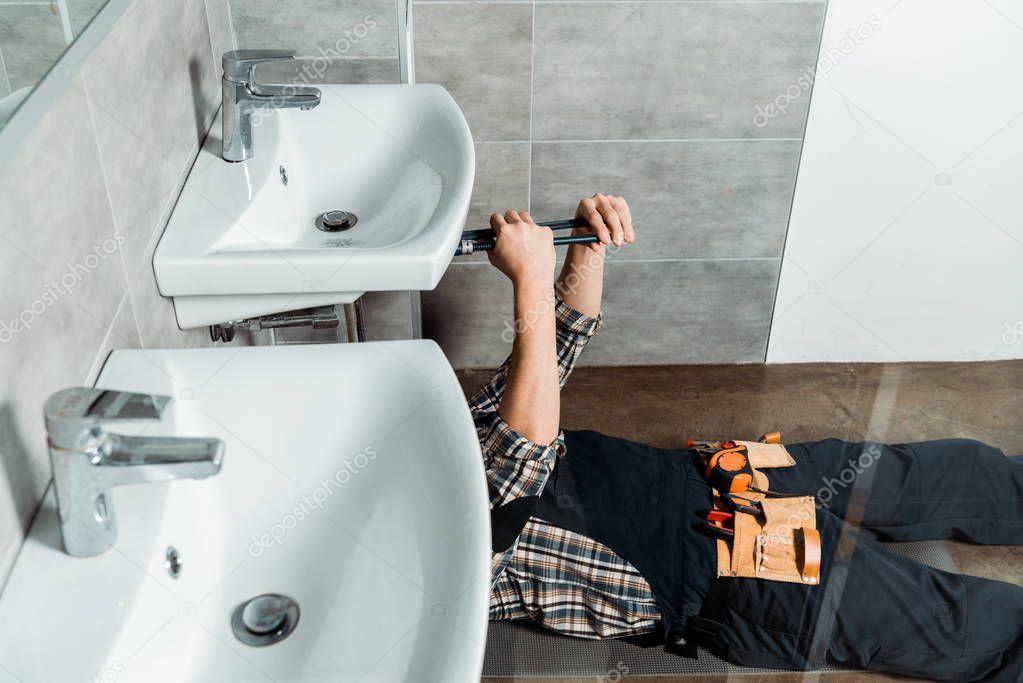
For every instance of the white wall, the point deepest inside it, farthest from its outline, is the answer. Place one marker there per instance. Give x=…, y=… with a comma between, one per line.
x=906, y=235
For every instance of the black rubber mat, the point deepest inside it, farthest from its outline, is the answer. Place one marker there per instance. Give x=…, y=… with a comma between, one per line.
x=515, y=650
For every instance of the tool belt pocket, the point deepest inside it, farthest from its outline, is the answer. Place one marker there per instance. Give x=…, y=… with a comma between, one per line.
x=772, y=537
x=767, y=455
x=782, y=544
x=738, y=465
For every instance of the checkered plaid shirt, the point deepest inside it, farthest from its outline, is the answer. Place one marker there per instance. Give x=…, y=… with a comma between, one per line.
x=560, y=579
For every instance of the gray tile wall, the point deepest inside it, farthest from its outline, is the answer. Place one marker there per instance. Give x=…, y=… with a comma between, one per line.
x=354, y=28
x=350, y=42
x=651, y=100
x=31, y=39
x=81, y=12
x=78, y=228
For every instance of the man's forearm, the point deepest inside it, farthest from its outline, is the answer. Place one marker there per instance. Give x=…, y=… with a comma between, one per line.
x=581, y=282
x=531, y=403
x=525, y=253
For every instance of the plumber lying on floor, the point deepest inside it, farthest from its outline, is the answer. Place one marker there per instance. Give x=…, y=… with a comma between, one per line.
x=736, y=545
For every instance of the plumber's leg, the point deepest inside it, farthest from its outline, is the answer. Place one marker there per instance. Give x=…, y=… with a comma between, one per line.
x=878, y=611
x=950, y=488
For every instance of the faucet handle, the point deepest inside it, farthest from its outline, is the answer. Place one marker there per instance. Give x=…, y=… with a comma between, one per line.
x=238, y=64
x=68, y=411
x=104, y=404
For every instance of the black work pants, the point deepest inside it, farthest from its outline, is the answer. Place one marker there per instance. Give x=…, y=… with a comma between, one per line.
x=874, y=609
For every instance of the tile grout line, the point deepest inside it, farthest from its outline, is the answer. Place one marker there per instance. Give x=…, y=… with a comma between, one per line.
x=3, y=72
x=97, y=362
x=578, y=140
x=621, y=2
x=628, y=140
x=233, y=43
x=356, y=58
x=113, y=215
x=532, y=68
x=708, y=259
x=209, y=31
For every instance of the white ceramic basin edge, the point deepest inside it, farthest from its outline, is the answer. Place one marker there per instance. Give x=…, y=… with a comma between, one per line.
x=242, y=240
x=352, y=481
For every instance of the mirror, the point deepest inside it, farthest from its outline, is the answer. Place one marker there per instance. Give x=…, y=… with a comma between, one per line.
x=33, y=35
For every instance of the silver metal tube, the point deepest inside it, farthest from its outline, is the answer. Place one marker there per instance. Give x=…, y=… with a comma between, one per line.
x=417, y=313
x=353, y=321
x=406, y=53
x=407, y=73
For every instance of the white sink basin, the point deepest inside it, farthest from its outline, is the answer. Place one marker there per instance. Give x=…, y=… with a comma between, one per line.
x=352, y=482
x=241, y=242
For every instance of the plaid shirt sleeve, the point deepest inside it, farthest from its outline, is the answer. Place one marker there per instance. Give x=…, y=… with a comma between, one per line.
x=517, y=467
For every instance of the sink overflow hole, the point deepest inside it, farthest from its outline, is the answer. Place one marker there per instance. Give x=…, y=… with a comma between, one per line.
x=172, y=561
x=284, y=175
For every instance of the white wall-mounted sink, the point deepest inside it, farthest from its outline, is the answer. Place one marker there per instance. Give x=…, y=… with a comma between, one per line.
x=352, y=482
x=242, y=240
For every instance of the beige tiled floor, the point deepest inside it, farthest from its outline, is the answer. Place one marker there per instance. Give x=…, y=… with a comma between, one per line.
x=906, y=402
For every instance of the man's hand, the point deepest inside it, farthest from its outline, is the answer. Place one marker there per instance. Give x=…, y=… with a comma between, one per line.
x=609, y=219
x=581, y=282
x=524, y=251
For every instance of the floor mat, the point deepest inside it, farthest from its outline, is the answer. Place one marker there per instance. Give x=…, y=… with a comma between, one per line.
x=519, y=651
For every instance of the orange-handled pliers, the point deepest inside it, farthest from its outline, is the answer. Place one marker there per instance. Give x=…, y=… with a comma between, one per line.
x=721, y=524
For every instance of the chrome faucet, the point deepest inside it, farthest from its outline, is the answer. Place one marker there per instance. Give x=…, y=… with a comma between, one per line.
x=88, y=461
x=242, y=96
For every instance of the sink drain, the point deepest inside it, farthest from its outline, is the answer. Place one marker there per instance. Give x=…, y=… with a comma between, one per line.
x=336, y=221
x=265, y=619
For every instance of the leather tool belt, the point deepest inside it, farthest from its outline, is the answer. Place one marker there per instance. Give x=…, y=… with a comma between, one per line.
x=760, y=534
